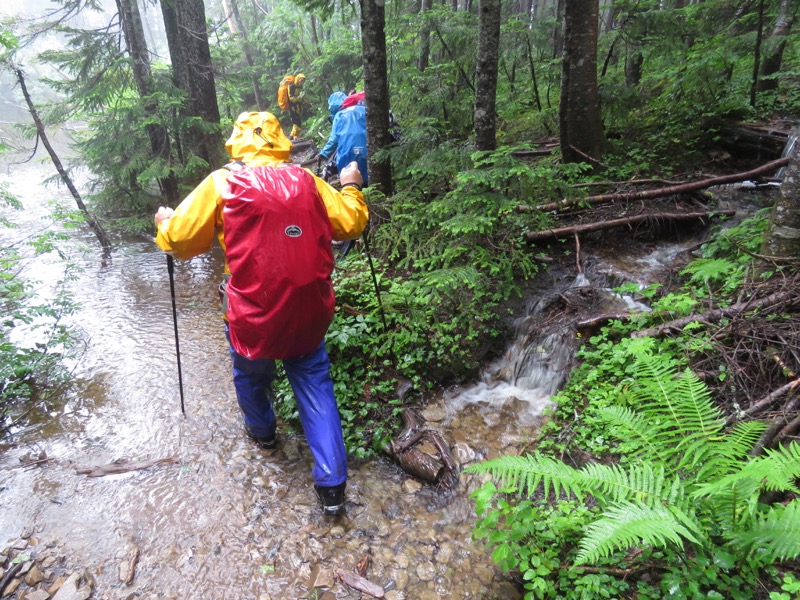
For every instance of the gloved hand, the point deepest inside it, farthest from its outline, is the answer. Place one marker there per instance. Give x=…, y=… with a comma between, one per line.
x=351, y=174
x=163, y=214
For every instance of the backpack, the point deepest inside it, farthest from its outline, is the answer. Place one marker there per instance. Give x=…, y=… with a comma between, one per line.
x=277, y=236
x=283, y=92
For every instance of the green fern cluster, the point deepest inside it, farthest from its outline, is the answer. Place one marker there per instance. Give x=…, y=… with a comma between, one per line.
x=685, y=485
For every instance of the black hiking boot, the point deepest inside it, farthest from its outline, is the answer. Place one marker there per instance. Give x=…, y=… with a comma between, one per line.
x=332, y=499
x=267, y=443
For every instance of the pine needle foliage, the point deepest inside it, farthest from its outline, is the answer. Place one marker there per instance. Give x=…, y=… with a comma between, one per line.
x=686, y=490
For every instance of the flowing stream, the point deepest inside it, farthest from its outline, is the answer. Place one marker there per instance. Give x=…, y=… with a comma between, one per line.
x=226, y=519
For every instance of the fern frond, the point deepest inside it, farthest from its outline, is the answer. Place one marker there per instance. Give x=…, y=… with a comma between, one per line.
x=731, y=500
x=683, y=418
x=780, y=468
x=731, y=449
x=634, y=428
x=524, y=474
x=626, y=524
x=645, y=483
x=776, y=534
x=681, y=401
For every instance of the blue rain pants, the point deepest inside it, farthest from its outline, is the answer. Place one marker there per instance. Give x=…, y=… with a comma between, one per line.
x=310, y=378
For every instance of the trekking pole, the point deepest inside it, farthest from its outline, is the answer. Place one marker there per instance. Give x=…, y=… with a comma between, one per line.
x=171, y=271
x=375, y=279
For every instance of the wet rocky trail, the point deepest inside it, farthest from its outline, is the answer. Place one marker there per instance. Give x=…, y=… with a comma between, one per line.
x=116, y=494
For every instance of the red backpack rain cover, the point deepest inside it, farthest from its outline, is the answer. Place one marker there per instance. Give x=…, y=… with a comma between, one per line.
x=278, y=246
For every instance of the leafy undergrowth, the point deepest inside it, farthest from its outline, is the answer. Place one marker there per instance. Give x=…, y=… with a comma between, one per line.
x=660, y=474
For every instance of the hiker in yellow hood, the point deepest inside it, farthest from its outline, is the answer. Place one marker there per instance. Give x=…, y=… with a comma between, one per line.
x=298, y=105
x=279, y=220
x=257, y=140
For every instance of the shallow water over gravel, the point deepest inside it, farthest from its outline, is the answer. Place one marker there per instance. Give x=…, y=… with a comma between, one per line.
x=226, y=519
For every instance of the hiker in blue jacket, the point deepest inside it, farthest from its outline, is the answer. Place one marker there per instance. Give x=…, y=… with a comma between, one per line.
x=349, y=135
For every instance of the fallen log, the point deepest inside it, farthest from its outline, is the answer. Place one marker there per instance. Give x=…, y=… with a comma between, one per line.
x=532, y=152
x=536, y=236
x=627, y=182
x=600, y=320
x=765, y=402
x=789, y=298
x=775, y=427
x=752, y=139
x=661, y=192
x=121, y=466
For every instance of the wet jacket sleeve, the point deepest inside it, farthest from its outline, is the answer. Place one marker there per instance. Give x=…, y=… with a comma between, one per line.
x=346, y=209
x=333, y=140
x=295, y=93
x=196, y=221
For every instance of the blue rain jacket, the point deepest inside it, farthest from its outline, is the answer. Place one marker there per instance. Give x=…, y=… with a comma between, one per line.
x=349, y=139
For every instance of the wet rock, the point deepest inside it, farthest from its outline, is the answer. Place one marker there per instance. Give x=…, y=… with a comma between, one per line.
x=401, y=580
x=12, y=587
x=33, y=576
x=463, y=453
x=402, y=561
x=337, y=532
x=484, y=573
x=445, y=553
x=508, y=591
x=442, y=587
x=433, y=413
x=20, y=544
x=426, y=571
x=56, y=585
x=127, y=568
x=320, y=578
x=71, y=591
x=411, y=486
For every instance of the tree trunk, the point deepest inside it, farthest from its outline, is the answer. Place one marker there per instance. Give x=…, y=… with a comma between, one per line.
x=160, y=146
x=40, y=132
x=757, y=53
x=558, y=29
x=581, y=127
x=533, y=73
x=185, y=23
x=633, y=65
x=376, y=86
x=782, y=237
x=424, y=36
x=237, y=28
x=773, y=55
x=486, y=74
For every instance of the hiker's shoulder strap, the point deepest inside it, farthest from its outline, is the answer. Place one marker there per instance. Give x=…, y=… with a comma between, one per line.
x=234, y=165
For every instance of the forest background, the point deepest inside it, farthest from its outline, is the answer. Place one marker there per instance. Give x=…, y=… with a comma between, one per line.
x=502, y=105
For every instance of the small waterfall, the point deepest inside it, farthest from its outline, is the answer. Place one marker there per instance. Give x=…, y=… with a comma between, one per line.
x=787, y=151
x=536, y=363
